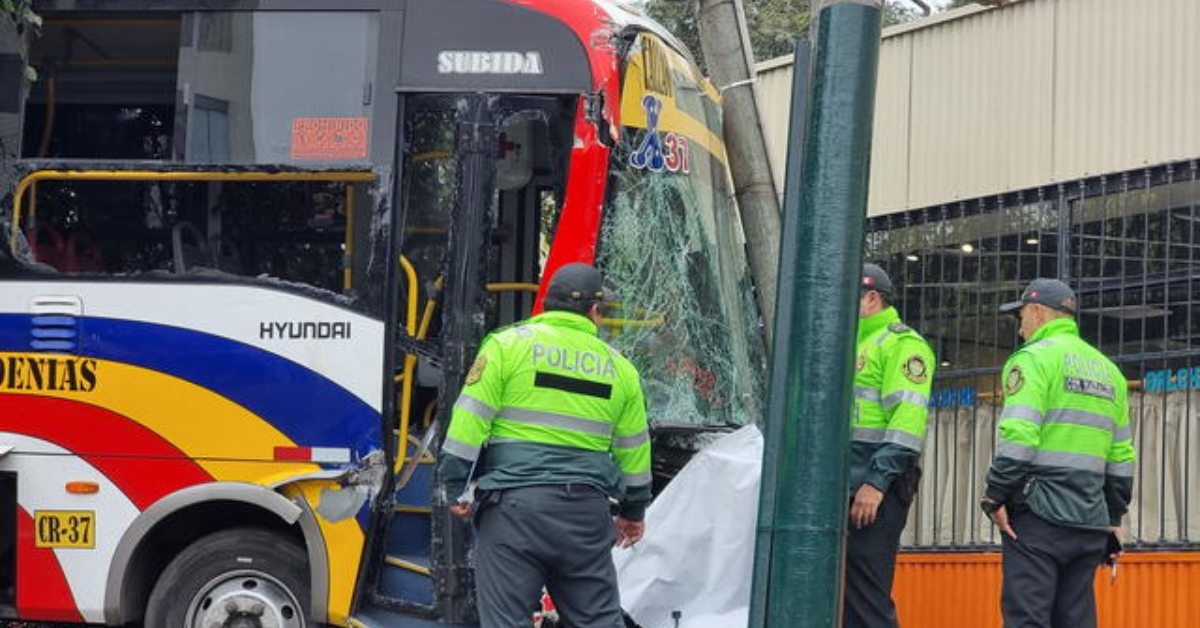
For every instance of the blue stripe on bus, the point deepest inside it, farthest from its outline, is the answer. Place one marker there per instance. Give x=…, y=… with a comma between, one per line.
x=308, y=408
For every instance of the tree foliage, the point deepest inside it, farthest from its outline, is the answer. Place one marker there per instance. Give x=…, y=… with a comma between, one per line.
x=21, y=15
x=774, y=25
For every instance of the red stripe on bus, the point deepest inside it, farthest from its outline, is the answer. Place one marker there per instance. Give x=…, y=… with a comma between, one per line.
x=143, y=464
x=42, y=589
x=293, y=454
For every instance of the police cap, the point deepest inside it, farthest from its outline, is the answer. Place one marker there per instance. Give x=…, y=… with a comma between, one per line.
x=875, y=278
x=1051, y=293
x=577, y=284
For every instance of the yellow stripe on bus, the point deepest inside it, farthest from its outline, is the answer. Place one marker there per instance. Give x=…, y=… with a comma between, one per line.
x=343, y=544
x=228, y=441
x=672, y=119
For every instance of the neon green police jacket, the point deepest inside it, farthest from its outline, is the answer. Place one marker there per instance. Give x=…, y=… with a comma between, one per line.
x=549, y=402
x=1065, y=448
x=892, y=381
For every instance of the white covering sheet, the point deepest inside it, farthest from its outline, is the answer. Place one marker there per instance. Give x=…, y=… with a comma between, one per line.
x=698, y=551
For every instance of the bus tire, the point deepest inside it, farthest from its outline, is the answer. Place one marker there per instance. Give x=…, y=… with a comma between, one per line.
x=236, y=577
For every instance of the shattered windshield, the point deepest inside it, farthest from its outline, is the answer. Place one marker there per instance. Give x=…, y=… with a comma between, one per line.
x=672, y=245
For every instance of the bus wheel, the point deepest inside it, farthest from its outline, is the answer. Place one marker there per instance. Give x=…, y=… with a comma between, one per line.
x=239, y=578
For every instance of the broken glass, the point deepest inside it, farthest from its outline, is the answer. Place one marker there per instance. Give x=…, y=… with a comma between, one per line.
x=671, y=245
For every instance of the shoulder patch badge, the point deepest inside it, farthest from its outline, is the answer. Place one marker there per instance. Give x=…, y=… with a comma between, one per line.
x=1014, y=381
x=861, y=362
x=476, y=372
x=915, y=369
x=898, y=328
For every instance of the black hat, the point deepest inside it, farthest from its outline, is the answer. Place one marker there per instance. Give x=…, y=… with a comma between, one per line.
x=1051, y=293
x=577, y=284
x=875, y=278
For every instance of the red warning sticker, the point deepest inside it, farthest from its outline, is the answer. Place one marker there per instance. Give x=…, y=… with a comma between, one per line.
x=329, y=138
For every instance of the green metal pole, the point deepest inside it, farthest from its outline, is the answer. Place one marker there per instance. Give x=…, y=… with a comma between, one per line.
x=821, y=258
x=776, y=412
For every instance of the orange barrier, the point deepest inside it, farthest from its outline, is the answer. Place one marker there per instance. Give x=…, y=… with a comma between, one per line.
x=962, y=590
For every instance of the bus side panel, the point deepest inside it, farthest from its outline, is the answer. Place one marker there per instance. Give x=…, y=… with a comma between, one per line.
x=952, y=590
x=164, y=387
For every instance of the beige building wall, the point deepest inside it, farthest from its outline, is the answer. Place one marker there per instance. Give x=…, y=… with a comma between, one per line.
x=979, y=101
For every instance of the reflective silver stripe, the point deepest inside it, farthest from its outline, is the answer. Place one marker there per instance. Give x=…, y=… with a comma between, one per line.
x=495, y=440
x=475, y=406
x=1021, y=453
x=900, y=437
x=1081, y=417
x=911, y=396
x=1122, y=433
x=560, y=421
x=866, y=435
x=866, y=393
x=884, y=336
x=460, y=449
x=631, y=441
x=638, y=479
x=1026, y=413
x=1119, y=469
x=1083, y=462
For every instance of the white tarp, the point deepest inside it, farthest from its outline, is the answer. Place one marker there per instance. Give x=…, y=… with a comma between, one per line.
x=698, y=551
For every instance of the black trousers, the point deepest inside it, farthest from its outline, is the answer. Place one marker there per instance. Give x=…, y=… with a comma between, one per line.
x=1048, y=574
x=557, y=536
x=871, y=565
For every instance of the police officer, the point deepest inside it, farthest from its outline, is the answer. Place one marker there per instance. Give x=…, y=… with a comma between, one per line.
x=1063, y=472
x=893, y=376
x=555, y=422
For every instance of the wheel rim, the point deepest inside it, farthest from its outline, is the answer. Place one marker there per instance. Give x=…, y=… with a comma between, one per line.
x=244, y=599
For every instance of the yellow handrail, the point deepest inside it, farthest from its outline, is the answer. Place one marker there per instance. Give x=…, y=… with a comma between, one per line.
x=410, y=364
x=657, y=321
x=652, y=320
x=152, y=175
x=512, y=287
x=405, y=564
x=432, y=155
x=427, y=315
x=348, y=249
x=427, y=417
x=422, y=330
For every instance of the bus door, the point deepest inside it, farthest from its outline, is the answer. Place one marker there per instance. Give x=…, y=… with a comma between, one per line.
x=482, y=180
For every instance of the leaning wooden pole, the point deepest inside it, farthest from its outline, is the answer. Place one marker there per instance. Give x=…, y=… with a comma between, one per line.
x=725, y=43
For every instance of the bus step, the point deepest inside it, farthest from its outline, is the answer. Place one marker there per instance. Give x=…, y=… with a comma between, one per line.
x=419, y=487
x=409, y=532
x=378, y=616
x=406, y=578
